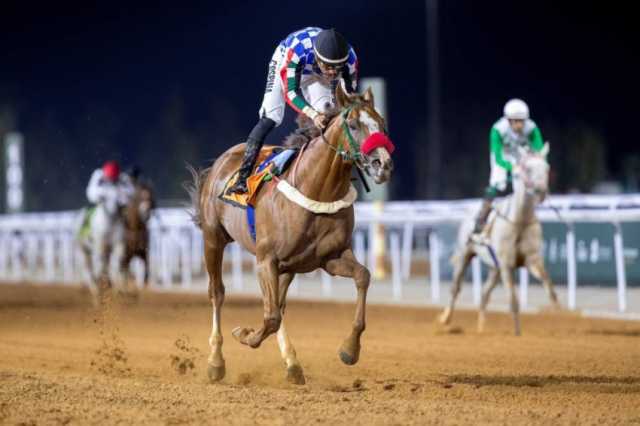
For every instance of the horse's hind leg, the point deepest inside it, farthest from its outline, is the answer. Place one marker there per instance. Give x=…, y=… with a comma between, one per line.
x=213, y=252
x=347, y=266
x=458, y=274
x=93, y=283
x=269, y=284
x=537, y=269
x=506, y=273
x=145, y=258
x=294, y=370
x=489, y=285
x=129, y=285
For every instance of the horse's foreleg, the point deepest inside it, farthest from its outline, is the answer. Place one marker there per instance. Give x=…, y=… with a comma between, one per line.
x=145, y=259
x=125, y=276
x=506, y=273
x=213, y=252
x=489, y=285
x=93, y=282
x=102, y=267
x=347, y=266
x=458, y=274
x=288, y=352
x=537, y=269
x=269, y=284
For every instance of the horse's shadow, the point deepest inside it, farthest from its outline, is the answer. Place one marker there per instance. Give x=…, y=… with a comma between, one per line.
x=613, y=332
x=629, y=383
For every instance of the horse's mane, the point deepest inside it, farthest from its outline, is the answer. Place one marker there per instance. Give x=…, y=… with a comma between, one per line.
x=306, y=130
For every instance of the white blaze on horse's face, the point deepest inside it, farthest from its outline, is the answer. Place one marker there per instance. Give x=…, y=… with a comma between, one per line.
x=144, y=210
x=379, y=159
x=536, y=171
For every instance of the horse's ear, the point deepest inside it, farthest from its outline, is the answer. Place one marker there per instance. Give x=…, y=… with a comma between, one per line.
x=368, y=96
x=545, y=150
x=342, y=98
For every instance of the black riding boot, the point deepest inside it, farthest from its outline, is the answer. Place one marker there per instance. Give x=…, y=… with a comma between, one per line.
x=254, y=144
x=483, y=214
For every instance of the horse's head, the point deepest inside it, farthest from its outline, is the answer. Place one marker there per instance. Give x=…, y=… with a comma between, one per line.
x=532, y=172
x=145, y=204
x=366, y=134
x=140, y=206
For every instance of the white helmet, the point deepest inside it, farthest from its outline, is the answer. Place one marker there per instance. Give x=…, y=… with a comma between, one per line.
x=516, y=109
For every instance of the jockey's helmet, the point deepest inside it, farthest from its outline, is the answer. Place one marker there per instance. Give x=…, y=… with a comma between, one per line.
x=516, y=109
x=111, y=170
x=331, y=47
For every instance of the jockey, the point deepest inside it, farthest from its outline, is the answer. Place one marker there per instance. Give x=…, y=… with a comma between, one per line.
x=515, y=129
x=107, y=183
x=304, y=71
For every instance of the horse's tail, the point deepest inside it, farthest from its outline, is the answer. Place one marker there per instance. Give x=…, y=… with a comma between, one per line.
x=194, y=188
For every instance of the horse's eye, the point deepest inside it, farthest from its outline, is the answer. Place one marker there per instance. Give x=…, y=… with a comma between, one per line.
x=353, y=125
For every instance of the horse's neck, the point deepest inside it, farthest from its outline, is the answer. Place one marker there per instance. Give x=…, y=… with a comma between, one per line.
x=322, y=175
x=522, y=205
x=133, y=217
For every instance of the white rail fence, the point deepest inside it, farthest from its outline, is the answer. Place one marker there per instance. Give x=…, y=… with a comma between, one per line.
x=41, y=247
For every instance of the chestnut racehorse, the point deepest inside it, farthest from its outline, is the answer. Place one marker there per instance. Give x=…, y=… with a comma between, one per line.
x=304, y=221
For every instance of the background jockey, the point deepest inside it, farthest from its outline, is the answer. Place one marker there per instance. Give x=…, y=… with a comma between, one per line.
x=108, y=184
x=304, y=71
x=514, y=129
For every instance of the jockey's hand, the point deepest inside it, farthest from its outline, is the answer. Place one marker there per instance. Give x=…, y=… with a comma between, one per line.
x=320, y=121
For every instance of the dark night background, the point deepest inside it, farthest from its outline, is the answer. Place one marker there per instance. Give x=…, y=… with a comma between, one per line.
x=170, y=83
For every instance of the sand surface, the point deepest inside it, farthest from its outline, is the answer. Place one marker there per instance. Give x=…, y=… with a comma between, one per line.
x=145, y=363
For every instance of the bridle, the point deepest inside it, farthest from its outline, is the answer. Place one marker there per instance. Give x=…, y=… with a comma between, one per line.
x=350, y=152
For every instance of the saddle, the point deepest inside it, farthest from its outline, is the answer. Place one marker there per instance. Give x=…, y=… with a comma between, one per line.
x=272, y=161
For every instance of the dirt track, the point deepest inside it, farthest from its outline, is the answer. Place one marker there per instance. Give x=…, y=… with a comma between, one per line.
x=62, y=363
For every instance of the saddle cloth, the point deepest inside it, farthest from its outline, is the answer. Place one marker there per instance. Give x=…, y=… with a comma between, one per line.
x=272, y=161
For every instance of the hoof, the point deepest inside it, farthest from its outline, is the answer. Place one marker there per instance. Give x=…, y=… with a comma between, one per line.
x=240, y=334
x=347, y=358
x=295, y=375
x=216, y=373
x=445, y=317
x=481, y=323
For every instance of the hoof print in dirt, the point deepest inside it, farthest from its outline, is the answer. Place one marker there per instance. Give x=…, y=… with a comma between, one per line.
x=184, y=360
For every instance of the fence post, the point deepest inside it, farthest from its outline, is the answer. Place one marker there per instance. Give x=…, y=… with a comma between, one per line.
x=621, y=277
x=4, y=256
x=185, y=258
x=327, y=287
x=166, y=260
x=476, y=276
x=197, y=246
x=571, y=268
x=294, y=288
x=49, y=257
x=236, y=266
x=396, y=273
x=407, y=245
x=358, y=248
x=434, y=263
x=524, y=286
x=15, y=248
x=372, y=253
x=67, y=257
